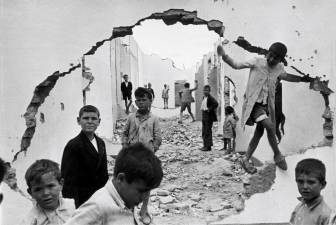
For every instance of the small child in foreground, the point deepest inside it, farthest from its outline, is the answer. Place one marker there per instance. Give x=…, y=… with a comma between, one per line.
x=310, y=179
x=44, y=182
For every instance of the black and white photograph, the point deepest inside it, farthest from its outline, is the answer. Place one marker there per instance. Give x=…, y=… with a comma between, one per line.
x=167, y=112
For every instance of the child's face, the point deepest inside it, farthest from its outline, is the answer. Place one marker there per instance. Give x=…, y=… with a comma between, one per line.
x=46, y=192
x=143, y=103
x=89, y=121
x=132, y=193
x=272, y=59
x=309, y=186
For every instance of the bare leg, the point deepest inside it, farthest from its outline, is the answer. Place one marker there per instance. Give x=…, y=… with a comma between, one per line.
x=181, y=115
x=258, y=133
x=267, y=123
x=191, y=114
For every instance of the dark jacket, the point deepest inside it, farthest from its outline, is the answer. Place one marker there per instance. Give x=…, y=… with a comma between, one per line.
x=83, y=169
x=126, y=90
x=212, y=105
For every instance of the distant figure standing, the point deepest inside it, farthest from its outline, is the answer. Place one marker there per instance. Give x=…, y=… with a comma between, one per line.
x=165, y=96
x=150, y=89
x=126, y=90
x=187, y=99
x=208, y=107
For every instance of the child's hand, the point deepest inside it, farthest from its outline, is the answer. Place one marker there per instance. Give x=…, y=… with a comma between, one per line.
x=220, y=50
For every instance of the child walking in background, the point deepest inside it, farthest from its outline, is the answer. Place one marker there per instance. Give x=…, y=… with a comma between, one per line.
x=186, y=100
x=44, y=185
x=229, y=130
x=143, y=127
x=310, y=180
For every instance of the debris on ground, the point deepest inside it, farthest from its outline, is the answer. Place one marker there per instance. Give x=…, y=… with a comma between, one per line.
x=205, y=185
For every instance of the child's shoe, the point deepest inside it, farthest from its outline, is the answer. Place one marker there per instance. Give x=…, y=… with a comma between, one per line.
x=280, y=162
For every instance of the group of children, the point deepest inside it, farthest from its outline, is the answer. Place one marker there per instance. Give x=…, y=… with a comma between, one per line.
x=90, y=197
x=80, y=192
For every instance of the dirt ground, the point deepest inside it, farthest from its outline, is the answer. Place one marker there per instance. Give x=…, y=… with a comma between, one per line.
x=199, y=187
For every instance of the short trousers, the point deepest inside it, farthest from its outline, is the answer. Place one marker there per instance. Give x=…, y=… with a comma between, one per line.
x=185, y=105
x=127, y=96
x=258, y=113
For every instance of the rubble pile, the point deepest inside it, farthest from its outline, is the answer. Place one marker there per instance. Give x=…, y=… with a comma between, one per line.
x=185, y=134
x=206, y=185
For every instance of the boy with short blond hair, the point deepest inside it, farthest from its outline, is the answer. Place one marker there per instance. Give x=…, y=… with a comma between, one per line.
x=310, y=180
x=142, y=126
x=136, y=171
x=44, y=182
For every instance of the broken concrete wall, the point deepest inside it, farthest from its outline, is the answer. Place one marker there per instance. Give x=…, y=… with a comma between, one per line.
x=39, y=38
x=126, y=58
x=279, y=202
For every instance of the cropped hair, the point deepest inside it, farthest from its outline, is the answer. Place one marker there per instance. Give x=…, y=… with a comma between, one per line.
x=139, y=162
x=88, y=108
x=308, y=166
x=141, y=92
x=41, y=167
x=187, y=85
x=207, y=86
x=228, y=110
x=3, y=169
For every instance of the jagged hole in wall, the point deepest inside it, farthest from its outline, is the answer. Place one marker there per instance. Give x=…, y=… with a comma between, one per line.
x=43, y=89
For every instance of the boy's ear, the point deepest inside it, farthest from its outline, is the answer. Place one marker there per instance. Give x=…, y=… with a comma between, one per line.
x=61, y=182
x=78, y=119
x=121, y=177
x=324, y=183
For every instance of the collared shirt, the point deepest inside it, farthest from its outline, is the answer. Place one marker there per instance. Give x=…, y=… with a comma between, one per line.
x=332, y=219
x=204, y=106
x=39, y=216
x=316, y=213
x=94, y=143
x=105, y=207
x=142, y=128
x=260, y=75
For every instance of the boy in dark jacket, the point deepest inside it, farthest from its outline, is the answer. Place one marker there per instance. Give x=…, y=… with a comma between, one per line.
x=208, y=107
x=84, y=163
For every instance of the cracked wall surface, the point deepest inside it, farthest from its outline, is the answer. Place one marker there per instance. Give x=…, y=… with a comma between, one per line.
x=38, y=39
x=41, y=92
x=169, y=17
